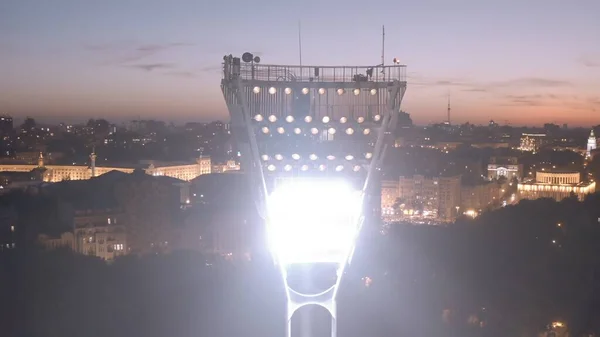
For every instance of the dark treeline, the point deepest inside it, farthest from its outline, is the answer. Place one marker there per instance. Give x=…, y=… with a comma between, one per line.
x=509, y=272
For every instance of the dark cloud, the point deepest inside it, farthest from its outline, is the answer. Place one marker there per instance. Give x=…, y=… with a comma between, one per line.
x=182, y=74
x=125, y=52
x=531, y=82
x=152, y=66
x=590, y=61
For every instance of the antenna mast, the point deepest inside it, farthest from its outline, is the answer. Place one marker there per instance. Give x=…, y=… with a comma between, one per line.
x=448, y=107
x=300, y=41
x=383, y=46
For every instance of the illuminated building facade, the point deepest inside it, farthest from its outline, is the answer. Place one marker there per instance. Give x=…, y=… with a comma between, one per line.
x=231, y=165
x=389, y=195
x=429, y=198
x=556, y=185
x=311, y=141
x=532, y=142
x=57, y=173
x=591, y=144
x=508, y=168
x=100, y=233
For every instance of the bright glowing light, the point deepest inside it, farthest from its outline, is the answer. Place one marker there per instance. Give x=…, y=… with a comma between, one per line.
x=340, y=91
x=280, y=129
x=349, y=131
x=368, y=155
x=343, y=120
x=272, y=90
x=256, y=90
x=308, y=119
x=339, y=168
x=366, y=131
x=322, y=167
x=314, y=131
x=304, y=167
x=258, y=118
x=360, y=119
x=377, y=118
x=356, y=168
x=296, y=156
x=278, y=157
x=271, y=167
x=330, y=157
x=272, y=118
x=265, y=157
x=297, y=131
x=289, y=119
x=349, y=157
x=326, y=119
x=313, y=157
x=331, y=131
x=356, y=92
x=305, y=91
x=265, y=129
x=373, y=91
x=321, y=91
x=325, y=233
x=288, y=91
x=287, y=167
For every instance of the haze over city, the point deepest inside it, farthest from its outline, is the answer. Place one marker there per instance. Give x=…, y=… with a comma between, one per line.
x=508, y=61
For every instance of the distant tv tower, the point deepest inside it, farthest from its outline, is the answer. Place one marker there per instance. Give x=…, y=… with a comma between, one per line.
x=449, y=108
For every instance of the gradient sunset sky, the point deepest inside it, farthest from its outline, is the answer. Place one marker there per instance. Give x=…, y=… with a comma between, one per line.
x=521, y=61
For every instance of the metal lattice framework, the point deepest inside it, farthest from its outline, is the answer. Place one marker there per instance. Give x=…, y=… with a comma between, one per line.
x=292, y=122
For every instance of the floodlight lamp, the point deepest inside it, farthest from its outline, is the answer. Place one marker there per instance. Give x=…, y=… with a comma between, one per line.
x=265, y=129
x=297, y=131
x=314, y=131
x=281, y=130
x=349, y=131
x=308, y=119
x=271, y=167
x=321, y=91
x=313, y=221
x=356, y=92
x=366, y=131
x=331, y=131
x=360, y=119
x=272, y=90
x=305, y=91
x=373, y=91
x=278, y=157
x=256, y=90
x=377, y=118
x=288, y=91
x=289, y=119
x=343, y=120
x=258, y=118
x=313, y=157
x=296, y=156
x=340, y=91
x=326, y=119
x=287, y=167
x=272, y=118
x=265, y=157
x=330, y=157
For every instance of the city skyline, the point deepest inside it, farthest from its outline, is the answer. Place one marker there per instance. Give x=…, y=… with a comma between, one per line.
x=525, y=64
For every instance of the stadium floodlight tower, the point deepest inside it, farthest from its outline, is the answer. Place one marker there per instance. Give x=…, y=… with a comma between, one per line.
x=311, y=139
